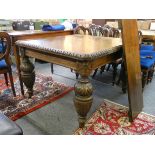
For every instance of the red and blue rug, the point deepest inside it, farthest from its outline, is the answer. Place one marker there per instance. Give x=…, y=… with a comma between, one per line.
x=46, y=90
x=112, y=119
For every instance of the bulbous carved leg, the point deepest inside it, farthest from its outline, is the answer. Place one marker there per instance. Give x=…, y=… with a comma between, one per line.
x=28, y=75
x=83, y=99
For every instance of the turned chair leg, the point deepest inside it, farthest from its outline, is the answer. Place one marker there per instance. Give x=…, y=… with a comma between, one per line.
x=124, y=86
x=6, y=78
x=150, y=75
x=114, y=73
x=108, y=67
x=119, y=77
x=121, y=74
x=77, y=75
x=144, y=79
x=123, y=78
x=152, y=72
x=102, y=69
x=12, y=83
x=52, y=70
x=95, y=73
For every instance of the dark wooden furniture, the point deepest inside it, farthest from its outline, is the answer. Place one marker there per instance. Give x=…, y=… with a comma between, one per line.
x=5, y=61
x=81, y=30
x=147, y=73
x=98, y=31
x=114, y=32
x=108, y=31
x=82, y=53
x=130, y=40
x=31, y=34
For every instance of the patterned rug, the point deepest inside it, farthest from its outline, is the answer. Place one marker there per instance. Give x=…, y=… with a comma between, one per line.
x=112, y=119
x=45, y=91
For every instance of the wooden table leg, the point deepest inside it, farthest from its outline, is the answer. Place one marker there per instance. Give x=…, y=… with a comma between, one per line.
x=27, y=74
x=17, y=59
x=83, y=98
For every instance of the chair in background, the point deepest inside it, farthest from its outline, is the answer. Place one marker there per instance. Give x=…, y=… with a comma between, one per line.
x=107, y=26
x=99, y=31
x=81, y=30
x=147, y=62
x=93, y=29
x=147, y=51
x=116, y=34
x=5, y=60
x=108, y=31
x=78, y=30
x=147, y=69
x=144, y=44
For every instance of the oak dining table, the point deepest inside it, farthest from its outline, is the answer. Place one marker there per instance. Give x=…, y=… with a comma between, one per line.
x=31, y=34
x=82, y=53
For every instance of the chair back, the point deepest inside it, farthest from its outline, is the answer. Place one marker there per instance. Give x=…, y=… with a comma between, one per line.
x=80, y=30
x=116, y=33
x=105, y=32
x=93, y=30
x=5, y=40
x=99, y=31
x=96, y=30
x=106, y=26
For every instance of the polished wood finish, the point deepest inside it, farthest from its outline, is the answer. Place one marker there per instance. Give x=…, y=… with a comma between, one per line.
x=81, y=47
x=82, y=53
x=132, y=63
x=5, y=55
x=31, y=34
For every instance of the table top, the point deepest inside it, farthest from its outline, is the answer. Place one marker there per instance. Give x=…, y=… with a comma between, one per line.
x=75, y=46
x=148, y=32
x=31, y=32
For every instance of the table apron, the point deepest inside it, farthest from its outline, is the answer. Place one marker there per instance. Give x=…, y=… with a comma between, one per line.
x=105, y=60
x=71, y=62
